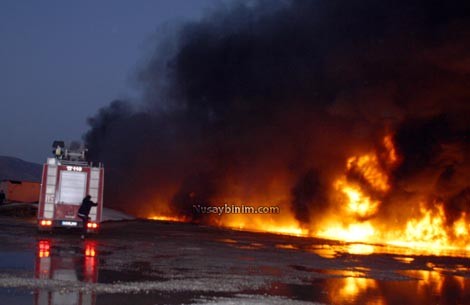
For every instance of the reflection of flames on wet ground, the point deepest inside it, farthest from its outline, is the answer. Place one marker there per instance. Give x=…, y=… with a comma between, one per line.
x=355, y=290
x=422, y=286
x=430, y=287
x=359, y=195
x=358, y=286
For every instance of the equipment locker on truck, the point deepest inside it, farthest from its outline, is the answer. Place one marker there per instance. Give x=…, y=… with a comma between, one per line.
x=66, y=180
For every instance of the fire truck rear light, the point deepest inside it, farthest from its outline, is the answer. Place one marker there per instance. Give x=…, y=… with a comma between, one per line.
x=92, y=225
x=45, y=223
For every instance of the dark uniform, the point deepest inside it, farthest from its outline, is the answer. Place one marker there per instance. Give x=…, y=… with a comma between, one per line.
x=2, y=196
x=84, y=210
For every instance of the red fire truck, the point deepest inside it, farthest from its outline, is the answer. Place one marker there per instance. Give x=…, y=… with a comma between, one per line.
x=66, y=180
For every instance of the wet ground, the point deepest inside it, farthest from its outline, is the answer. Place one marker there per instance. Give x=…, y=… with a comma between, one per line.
x=148, y=262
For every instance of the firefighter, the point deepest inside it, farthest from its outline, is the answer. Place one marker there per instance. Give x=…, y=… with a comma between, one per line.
x=83, y=212
x=58, y=152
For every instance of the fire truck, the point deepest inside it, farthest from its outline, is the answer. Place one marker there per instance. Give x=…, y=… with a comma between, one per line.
x=66, y=179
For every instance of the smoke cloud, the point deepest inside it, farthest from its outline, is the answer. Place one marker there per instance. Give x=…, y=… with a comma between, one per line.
x=264, y=101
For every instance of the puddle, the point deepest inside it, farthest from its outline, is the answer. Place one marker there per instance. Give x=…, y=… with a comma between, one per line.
x=66, y=272
x=422, y=287
x=76, y=264
x=16, y=261
x=336, y=250
x=51, y=260
x=241, y=245
x=16, y=297
x=286, y=246
x=354, y=272
x=431, y=289
x=227, y=241
x=404, y=259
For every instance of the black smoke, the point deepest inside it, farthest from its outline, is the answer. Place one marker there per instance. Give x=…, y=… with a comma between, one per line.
x=263, y=91
x=309, y=196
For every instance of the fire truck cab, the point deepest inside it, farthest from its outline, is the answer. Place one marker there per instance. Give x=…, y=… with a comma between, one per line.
x=66, y=179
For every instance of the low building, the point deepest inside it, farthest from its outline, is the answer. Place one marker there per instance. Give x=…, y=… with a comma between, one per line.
x=20, y=191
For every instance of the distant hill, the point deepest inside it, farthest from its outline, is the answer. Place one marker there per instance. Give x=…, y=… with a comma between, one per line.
x=17, y=169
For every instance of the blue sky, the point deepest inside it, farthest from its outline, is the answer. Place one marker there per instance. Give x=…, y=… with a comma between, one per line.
x=62, y=60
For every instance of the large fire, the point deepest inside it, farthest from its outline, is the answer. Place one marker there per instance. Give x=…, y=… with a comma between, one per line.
x=426, y=230
x=359, y=193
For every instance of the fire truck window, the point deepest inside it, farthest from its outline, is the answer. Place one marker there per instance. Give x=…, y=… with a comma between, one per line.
x=72, y=187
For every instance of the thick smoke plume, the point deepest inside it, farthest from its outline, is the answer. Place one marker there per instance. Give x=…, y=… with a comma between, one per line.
x=265, y=101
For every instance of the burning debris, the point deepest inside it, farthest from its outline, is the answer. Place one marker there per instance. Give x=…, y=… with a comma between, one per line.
x=351, y=117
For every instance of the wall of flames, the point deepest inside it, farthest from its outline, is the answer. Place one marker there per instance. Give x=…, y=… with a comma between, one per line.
x=358, y=194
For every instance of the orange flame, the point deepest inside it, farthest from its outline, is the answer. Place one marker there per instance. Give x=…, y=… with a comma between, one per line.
x=368, y=167
x=427, y=230
x=167, y=218
x=358, y=195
